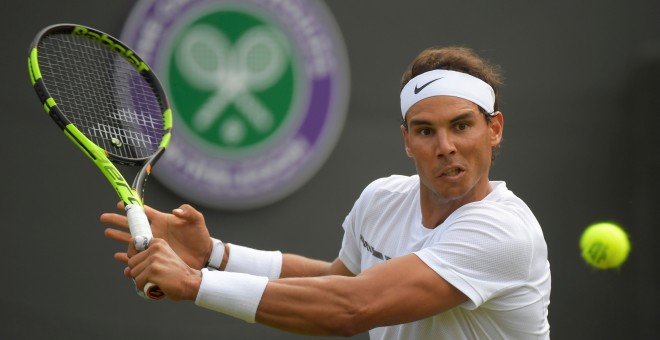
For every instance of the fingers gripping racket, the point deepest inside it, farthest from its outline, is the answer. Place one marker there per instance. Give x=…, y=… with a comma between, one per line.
x=110, y=104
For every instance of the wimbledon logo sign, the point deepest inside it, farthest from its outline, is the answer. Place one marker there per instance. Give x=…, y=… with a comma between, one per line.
x=259, y=90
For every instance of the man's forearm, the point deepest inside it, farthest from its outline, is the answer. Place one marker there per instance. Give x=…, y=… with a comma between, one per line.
x=324, y=306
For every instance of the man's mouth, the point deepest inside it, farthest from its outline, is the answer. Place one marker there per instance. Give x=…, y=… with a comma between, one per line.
x=452, y=171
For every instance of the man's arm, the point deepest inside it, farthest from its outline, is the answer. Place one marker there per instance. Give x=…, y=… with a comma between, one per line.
x=313, y=297
x=299, y=266
x=185, y=231
x=398, y=291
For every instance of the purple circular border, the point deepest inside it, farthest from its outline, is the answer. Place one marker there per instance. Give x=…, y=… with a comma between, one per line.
x=313, y=129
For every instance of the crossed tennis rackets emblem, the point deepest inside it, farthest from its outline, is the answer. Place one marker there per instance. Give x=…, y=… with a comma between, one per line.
x=209, y=61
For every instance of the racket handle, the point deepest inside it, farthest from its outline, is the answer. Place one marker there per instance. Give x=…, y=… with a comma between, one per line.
x=153, y=292
x=150, y=291
x=139, y=226
x=138, y=223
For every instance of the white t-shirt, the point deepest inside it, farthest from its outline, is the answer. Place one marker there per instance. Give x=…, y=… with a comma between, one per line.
x=492, y=250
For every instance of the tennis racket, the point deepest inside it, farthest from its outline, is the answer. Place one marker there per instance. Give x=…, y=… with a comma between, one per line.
x=110, y=104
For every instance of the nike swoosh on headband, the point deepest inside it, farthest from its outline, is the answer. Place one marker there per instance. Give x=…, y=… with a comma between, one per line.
x=418, y=89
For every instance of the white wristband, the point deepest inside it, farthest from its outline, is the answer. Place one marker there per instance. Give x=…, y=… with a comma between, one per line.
x=252, y=261
x=234, y=294
x=217, y=254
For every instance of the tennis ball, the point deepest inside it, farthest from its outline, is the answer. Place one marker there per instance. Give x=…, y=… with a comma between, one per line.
x=604, y=245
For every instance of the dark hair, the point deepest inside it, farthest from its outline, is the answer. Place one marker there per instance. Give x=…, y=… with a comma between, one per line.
x=460, y=59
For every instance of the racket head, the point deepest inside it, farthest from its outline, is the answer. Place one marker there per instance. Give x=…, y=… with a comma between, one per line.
x=91, y=82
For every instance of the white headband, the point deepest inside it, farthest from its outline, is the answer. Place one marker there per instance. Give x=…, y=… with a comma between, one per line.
x=447, y=83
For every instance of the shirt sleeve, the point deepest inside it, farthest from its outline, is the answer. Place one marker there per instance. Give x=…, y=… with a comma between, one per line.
x=482, y=251
x=350, y=253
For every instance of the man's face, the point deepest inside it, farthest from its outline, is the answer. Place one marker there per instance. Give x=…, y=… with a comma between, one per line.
x=451, y=144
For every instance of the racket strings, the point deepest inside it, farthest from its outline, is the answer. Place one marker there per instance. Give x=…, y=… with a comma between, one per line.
x=103, y=95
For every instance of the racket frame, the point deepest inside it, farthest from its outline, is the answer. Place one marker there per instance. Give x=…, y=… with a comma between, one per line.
x=131, y=195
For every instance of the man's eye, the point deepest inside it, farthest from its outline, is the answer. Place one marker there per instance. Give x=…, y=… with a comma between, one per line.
x=425, y=132
x=462, y=126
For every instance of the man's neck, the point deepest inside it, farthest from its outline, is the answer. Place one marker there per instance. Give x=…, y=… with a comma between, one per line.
x=435, y=209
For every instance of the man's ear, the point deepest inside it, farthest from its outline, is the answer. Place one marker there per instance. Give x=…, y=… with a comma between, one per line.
x=496, y=128
x=404, y=131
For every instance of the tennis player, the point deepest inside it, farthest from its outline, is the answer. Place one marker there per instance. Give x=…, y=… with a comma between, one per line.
x=443, y=254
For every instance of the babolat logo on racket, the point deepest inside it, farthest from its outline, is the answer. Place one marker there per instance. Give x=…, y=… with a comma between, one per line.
x=112, y=44
x=259, y=89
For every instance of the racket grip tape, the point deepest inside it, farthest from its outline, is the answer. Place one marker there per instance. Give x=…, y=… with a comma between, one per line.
x=138, y=224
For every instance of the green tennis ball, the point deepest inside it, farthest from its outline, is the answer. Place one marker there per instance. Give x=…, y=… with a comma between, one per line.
x=604, y=245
